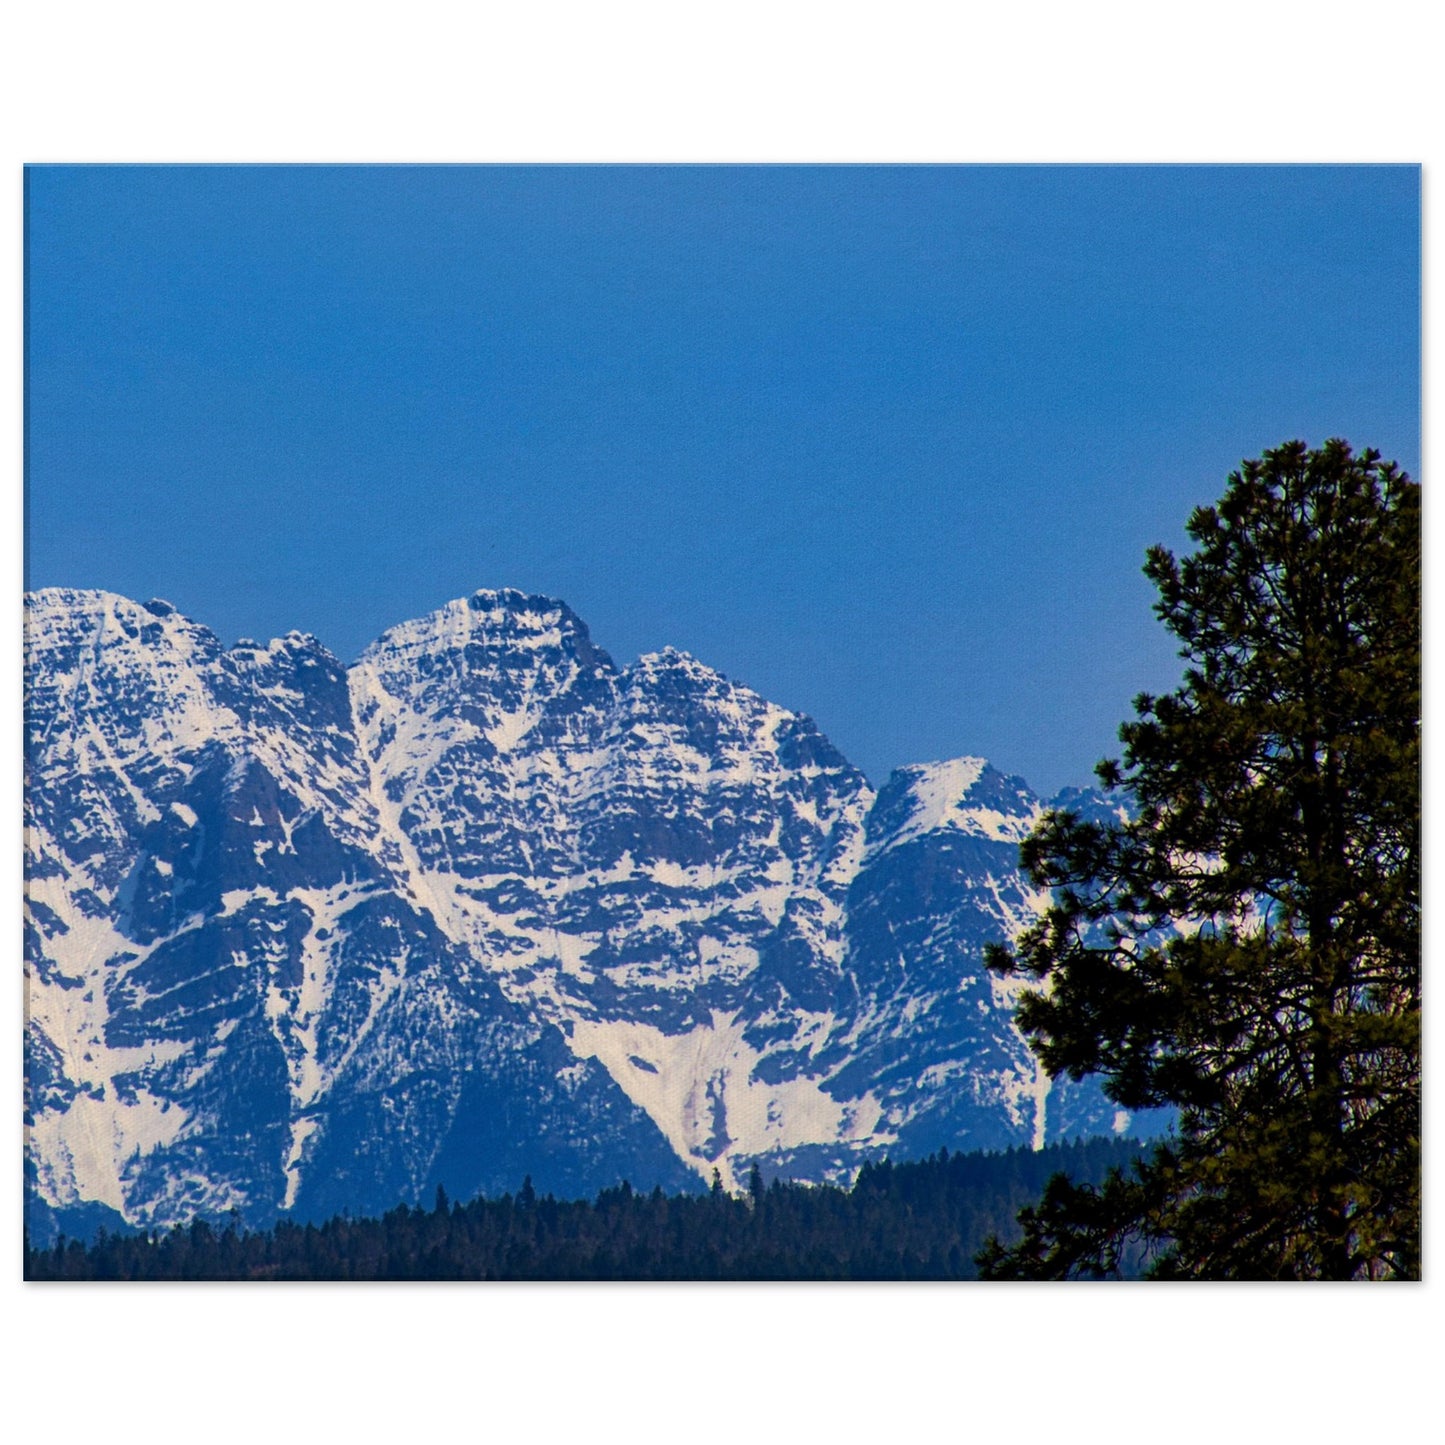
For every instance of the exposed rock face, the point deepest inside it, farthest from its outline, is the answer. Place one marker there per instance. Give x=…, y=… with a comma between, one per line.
x=302, y=939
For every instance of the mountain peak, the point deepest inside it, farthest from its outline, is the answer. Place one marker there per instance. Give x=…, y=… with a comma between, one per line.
x=674, y=659
x=505, y=618
x=512, y=602
x=963, y=795
x=67, y=626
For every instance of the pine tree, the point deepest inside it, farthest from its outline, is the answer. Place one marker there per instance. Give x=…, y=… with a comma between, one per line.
x=1245, y=947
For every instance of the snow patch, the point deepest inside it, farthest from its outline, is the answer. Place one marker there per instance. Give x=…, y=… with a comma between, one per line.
x=82, y=1151
x=698, y=1087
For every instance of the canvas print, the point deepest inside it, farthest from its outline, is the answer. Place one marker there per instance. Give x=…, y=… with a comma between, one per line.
x=780, y=722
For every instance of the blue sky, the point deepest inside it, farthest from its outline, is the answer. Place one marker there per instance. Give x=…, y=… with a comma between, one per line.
x=885, y=444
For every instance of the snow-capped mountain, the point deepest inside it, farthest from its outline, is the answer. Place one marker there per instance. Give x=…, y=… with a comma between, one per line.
x=303, y=938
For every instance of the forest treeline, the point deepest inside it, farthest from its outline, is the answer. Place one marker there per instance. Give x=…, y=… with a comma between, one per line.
x=924, y=1220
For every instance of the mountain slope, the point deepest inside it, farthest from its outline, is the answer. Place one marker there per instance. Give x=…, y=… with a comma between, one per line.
x=307, y=938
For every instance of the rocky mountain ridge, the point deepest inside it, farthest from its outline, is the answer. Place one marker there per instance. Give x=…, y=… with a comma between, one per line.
x=303, y=938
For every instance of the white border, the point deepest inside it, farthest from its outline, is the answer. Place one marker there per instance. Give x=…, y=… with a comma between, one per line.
x=648, y=82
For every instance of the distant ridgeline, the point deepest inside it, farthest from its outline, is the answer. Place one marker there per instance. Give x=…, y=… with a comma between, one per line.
x=924, y=1220
x=304, y=939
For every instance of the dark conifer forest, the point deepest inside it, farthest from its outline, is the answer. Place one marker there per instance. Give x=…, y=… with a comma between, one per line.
x=925, y=1220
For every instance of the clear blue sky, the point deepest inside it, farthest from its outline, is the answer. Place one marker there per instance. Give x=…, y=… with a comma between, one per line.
x=885, y=444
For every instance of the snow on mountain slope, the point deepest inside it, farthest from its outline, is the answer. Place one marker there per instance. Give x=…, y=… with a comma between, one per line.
x=626, y=855
x=487, y=904
x=229, y=965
